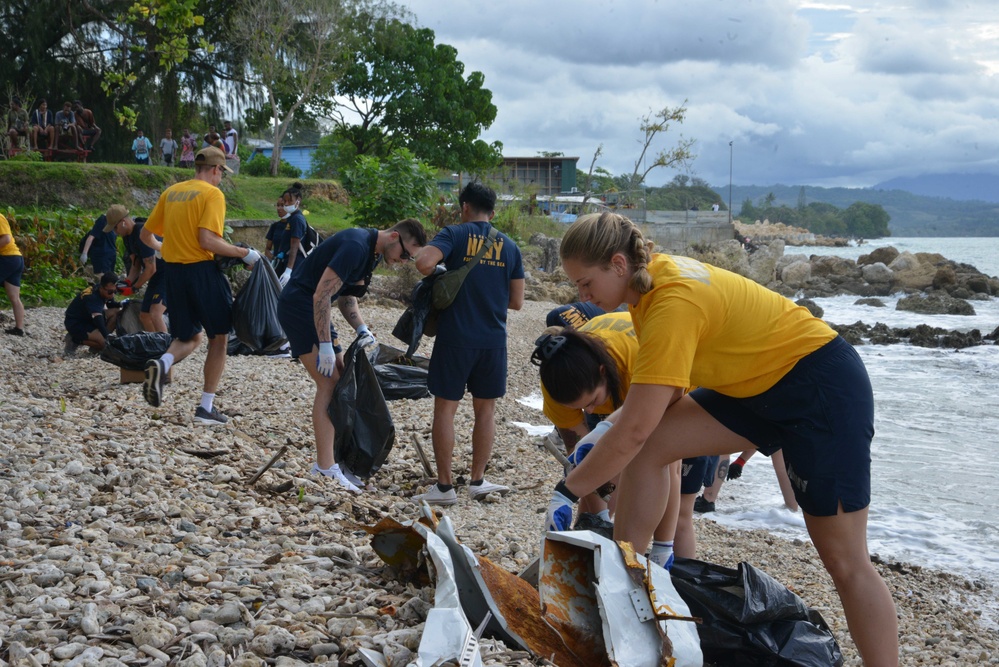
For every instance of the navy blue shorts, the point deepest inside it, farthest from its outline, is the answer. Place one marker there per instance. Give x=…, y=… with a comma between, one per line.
x=482, y=371
x=295, y=315
x=80, y=331
x=692, y=473
x=155, y=292
x=11, y=269
x=200, y=298
x=103, y=263
x=822, y=414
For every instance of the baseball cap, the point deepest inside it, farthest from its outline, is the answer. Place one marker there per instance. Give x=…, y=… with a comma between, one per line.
x=212, y=157
x=114, y=216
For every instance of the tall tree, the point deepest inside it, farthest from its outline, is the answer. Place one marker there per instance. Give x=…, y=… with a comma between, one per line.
x=652, y=125
x=398, y=89
x=293, y=48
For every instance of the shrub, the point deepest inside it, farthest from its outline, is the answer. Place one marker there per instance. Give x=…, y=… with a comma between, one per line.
x=386, y=191
x=50, y=246
x=261, y=166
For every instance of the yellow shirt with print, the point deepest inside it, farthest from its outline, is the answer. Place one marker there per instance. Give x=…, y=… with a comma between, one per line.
x=618, y=335
x=182, y=210
x=11, y=249
x=707, y=327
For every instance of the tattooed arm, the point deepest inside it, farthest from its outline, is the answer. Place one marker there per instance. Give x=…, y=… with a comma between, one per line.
x=350, y=311
x=322, y=301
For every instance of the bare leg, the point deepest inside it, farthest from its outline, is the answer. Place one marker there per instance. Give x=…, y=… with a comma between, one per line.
x=181, y=349
x=443, y=437
x=666, y=530
x=685, y=542
x=218, y=348
x=321, y=423
x=777, y=458
x=156, y=312
x=841, y=541
x=483, y=434
x=14, y=296
x=721, y=473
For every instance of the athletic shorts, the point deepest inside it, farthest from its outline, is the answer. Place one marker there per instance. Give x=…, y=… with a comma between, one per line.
x=167, y=159
x=483, y=372
x=11, y=269
x=200, y=298
x=155, y=292
x=295, y=314
x=103, y=263
x=80, y=331
x=692, y=472
x=822, y=414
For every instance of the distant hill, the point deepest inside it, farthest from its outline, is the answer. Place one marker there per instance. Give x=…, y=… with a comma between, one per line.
x=911, y=214
x=963, y=187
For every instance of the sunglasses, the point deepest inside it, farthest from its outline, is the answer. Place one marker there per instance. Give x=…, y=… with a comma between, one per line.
x=546, y=347
x=404, y=254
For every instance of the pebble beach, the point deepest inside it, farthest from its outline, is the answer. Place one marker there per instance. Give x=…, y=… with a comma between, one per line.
x=131, y=536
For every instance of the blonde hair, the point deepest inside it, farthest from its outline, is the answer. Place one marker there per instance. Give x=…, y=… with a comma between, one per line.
x=594, y=238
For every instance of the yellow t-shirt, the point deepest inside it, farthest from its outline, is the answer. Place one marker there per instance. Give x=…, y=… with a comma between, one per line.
x=9, y=250
x=182, y=210
x=617, y=333
x=707, y=327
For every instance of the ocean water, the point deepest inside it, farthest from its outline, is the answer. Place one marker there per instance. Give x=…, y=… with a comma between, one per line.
x=935, y=454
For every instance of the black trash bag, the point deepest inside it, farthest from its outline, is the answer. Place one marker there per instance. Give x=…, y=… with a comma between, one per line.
x=236, y=347
x=128, y=318
x=225, y=263
x=365, y=433
x=132, y=351
x=399, y=376
x=254, y=310
x=410, y=327
x=751, y=620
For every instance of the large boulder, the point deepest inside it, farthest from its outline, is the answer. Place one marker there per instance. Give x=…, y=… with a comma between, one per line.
x=832, y=267
x=877, y=273
x=883, y=255
x=936, y=303
x=797, y=275
x=910, y=273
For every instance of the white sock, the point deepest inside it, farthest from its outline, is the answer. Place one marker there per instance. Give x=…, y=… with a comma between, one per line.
x=167, y=360
x=207, y=400
x=661, y=551
x=604, y=514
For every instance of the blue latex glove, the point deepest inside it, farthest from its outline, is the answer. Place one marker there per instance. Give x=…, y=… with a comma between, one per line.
x=559, y=515
x=326, y=364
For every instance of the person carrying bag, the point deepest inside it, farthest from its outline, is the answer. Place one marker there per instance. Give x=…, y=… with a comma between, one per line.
x=446, y=286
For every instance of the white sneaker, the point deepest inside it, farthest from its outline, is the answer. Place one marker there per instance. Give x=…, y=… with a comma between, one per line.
x=434, y=496
x=479, y=492
x=337, y=474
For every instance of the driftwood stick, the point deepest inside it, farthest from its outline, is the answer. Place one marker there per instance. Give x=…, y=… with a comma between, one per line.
x=266, y=466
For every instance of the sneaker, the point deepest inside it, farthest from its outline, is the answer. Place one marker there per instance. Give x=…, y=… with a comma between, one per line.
x=68, y=346
x=599, y=525
x=213, y=418
x=152, y=387
x=14, y=331
x=434, y=496
x=480, y=491
x=334, y=472
x=702, y=506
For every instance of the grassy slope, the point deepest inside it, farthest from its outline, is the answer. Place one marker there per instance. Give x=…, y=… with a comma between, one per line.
x=36, y=187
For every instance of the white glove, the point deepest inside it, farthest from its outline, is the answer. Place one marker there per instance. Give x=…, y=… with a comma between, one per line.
x=326, y=364
x=364, y=335
x=586, y=443
x=252, y=257
x=285, y=277
x=559, y=516
x=83, y=258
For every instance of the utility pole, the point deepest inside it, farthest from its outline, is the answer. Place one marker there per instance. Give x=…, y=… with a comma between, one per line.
x=730, y=182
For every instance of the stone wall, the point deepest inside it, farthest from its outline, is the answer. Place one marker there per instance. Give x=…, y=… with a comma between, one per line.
x=677, y=231
x=251, y=232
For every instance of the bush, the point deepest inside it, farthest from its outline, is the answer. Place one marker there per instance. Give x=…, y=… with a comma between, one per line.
x=261, y=166
x=50, y=246
x=386, y=191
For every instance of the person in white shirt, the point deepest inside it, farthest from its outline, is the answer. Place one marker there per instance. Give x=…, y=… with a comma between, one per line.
x=231, y=138
x=168, y=148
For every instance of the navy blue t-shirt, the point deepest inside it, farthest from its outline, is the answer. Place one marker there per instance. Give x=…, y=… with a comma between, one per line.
x=294, y=228
x=104, y=245
x=135, y=246
x=350, y=253
x=274, y=234
x=85, y=305
x=477, y=317
x=574, y=314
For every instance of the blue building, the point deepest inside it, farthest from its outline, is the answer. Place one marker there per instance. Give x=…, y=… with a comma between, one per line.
x=296, y=156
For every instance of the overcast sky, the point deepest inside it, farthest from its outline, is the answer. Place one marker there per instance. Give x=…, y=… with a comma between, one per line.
x=809, y=93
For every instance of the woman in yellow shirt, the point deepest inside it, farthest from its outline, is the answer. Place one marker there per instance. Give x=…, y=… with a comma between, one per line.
x=769, y=375
x=11, y=270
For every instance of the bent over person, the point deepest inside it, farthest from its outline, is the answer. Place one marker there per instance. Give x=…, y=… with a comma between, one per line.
x=470, y=352
x=190, y=218
x=340, y=267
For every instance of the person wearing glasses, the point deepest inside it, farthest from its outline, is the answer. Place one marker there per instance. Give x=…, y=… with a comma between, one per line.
x=339, y=268
x=470, y=351
x=100, y=245
x=770, y=376
x=146, y=269
x=92, y=315
x=190, y=218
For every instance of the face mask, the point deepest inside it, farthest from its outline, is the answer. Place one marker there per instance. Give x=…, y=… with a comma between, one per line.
x=285, y=216
x=291, y=208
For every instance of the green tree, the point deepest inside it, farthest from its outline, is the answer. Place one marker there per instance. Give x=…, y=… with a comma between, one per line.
x=386, y=191
x=652, y=125
x=333, y=157
x=398, y=89
x=866, y=220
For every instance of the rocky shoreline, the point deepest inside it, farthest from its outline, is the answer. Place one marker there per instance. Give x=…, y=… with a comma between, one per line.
x=129, y=535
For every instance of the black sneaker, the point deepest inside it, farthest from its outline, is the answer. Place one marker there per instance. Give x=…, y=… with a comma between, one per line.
x=152, y=387
x=702, y=506
x=14, y=331
x=213, y=418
